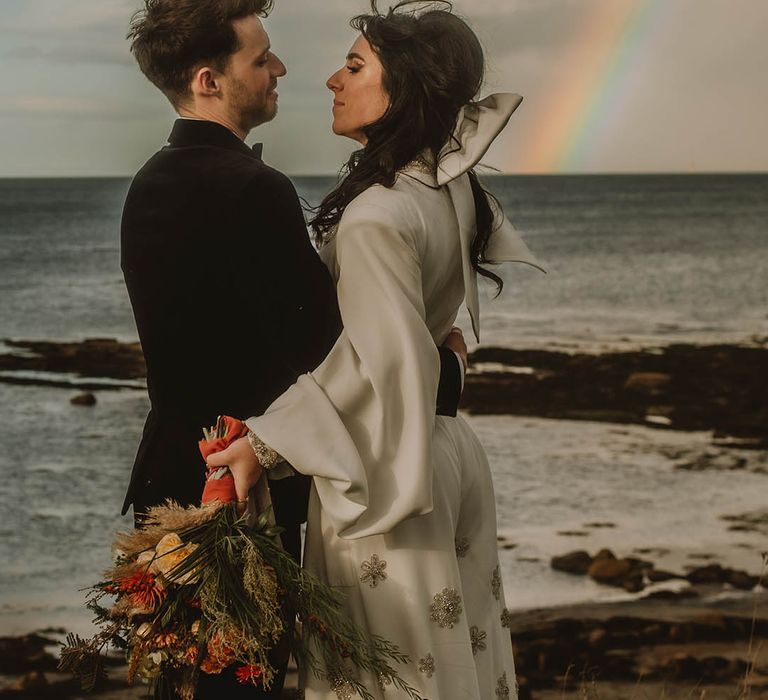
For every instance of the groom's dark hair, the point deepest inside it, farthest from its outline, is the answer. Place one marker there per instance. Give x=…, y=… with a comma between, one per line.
x=172, y=38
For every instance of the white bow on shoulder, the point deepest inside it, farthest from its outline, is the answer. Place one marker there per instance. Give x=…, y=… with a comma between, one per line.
x=477, y=127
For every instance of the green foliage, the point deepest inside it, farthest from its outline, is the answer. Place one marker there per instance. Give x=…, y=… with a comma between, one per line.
x=82, y=658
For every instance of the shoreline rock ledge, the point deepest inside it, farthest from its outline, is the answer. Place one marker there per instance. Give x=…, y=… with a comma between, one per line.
x=681, y=387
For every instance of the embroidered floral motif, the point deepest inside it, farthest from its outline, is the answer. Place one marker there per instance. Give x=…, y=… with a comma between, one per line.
x=478, y=639
x=343, y=688
x=496, y=582
x=462, y=547
x=446, y=608
x=427, y=665
x=506, y=618
x=373, y=571
x=502, y=687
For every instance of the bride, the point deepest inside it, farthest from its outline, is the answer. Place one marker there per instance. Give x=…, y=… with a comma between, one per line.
x=402, y=514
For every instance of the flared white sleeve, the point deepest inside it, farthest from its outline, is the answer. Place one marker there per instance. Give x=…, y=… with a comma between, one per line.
x=361, y=424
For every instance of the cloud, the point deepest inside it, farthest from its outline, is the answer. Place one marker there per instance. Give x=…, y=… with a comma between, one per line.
x=52, y=18
x=77, y=31
x=79, y=107
x=73, y=53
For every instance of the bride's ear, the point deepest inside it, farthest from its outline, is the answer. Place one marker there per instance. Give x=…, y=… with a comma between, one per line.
x=206, y=82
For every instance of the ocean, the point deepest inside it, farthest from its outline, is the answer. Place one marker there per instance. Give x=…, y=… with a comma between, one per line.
x=633, y=261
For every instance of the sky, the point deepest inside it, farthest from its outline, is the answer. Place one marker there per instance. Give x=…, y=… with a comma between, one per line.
x=609, y=86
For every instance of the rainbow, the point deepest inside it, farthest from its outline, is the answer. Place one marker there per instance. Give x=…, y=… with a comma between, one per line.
x=585, y=102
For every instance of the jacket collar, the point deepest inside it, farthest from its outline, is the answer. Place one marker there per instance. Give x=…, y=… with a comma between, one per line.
x=198, y=132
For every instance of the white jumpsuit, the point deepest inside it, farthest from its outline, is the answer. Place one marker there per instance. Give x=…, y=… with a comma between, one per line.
x=402, y=513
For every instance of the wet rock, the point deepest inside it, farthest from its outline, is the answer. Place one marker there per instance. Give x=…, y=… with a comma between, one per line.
x=33, y=681
x=742, y=580
x=711, y=573
x=673, y=595
x=597, y=637
x=25, y=653
x=605, y=554
x=609, y=570
x=719, y=461
x=682, y=667
x=655, y=633
x=715, y=573
x=651, y=383
x=754, y=521
x=657, y=575
x=658, y=551
x=577, y=562
x=717, y=668
x=84, y=399
x=711, y=624
x=549, y=652
x=633, y=583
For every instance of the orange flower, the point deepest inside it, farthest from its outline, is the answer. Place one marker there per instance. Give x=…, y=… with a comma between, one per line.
x=144, y=591
x=171, y=552
x=219, y=656
x=249, y=674
x=167, y=639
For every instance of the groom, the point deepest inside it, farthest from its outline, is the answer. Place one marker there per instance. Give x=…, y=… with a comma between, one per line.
x=211, y=236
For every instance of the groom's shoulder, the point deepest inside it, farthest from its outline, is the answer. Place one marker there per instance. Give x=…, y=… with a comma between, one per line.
x=236, y=173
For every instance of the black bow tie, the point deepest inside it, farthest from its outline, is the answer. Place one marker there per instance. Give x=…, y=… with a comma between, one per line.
x=257, y=149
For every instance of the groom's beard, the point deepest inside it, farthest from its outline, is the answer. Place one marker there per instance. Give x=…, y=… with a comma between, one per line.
x=251, y=109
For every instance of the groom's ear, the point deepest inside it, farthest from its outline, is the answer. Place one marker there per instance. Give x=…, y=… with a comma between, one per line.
x=206, y=82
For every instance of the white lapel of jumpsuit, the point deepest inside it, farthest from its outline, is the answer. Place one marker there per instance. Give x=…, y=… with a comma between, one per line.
x=477, y=127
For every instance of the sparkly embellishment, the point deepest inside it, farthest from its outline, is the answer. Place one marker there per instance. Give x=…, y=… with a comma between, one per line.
x=502, y=687
x=446, y=608
x=462, y=547
x=373, y=571
x=427, y=665
x=268, y=458
x=478, y=639
x=384, y=681
x=343, y=688
x=506, y=618
x=422, y=165
x=496, y=582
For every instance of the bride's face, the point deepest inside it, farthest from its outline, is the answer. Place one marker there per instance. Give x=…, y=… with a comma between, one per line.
x=359, y=98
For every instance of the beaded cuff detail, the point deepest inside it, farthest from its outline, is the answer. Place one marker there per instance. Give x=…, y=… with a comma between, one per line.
x=268, y=458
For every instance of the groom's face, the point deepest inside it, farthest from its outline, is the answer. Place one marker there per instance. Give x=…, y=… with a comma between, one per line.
x=251, y=77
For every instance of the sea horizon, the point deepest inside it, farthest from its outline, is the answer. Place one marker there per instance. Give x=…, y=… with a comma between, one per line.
x=482, y=171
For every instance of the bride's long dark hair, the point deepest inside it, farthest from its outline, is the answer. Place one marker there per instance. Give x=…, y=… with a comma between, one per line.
x=433, y=65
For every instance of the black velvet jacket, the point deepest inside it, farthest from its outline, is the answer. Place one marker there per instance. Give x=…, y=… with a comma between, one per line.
x=231, y=301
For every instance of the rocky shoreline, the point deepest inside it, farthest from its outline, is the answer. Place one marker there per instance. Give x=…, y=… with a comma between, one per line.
x=685, y=387
x=647, y=648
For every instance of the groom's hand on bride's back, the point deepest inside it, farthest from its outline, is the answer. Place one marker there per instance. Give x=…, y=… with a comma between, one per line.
x=453, y=365
x=455, y=341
